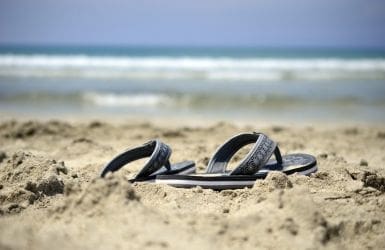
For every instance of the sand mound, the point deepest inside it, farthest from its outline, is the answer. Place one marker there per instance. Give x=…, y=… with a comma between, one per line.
x=286, y=215
x=98, y=197
x=368, y=178
x=26, y=178
x=274, y=180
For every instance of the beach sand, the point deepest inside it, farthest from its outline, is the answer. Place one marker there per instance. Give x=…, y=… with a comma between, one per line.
x=51, y=196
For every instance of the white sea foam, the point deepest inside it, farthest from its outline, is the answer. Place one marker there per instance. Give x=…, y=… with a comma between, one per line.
x=209, y=68
x=126, y=100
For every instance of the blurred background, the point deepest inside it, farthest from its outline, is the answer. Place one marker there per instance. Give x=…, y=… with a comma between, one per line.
x=269, y=60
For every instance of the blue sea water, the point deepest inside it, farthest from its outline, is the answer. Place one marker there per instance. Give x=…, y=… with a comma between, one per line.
x=225, y=83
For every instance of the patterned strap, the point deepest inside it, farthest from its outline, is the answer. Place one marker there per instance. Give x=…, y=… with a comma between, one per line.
x=258, y=156
x=158, y=152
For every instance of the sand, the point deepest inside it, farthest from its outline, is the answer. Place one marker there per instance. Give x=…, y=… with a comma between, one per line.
x=51, y=197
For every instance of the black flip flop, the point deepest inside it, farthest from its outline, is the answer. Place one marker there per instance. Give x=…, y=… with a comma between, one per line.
x=256, y=165
x=158, y=162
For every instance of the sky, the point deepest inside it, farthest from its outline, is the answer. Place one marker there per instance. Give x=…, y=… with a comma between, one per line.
x=272, y=23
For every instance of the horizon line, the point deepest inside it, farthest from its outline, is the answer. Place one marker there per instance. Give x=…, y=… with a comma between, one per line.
x=187, y=46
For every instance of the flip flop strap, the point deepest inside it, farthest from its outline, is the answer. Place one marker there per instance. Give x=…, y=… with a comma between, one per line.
x=258, y=156
x=158, y=152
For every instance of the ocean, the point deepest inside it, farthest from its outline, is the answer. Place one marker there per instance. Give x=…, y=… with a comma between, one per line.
x=263, y=84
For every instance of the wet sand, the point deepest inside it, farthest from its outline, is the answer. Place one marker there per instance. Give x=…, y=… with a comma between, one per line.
x=51, y=197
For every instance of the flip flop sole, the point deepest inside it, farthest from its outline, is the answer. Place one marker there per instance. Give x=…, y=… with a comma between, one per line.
x=216, y=182
x=302, y=164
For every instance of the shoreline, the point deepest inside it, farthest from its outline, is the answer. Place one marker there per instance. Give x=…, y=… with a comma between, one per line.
x=194, y=121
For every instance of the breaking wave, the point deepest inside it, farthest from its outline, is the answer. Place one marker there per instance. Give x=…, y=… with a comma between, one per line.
x=190, y=68
x=125, y=100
